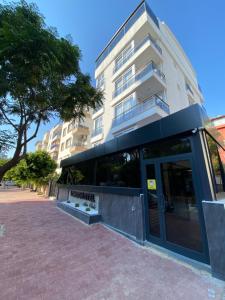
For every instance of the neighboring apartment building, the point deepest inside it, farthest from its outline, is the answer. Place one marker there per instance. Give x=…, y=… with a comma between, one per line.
x=75, y=137
x=219, y=123
x=145, y=76
x=66, y=139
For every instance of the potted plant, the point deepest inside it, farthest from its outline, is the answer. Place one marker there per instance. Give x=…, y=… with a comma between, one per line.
x=77, y=204
x=88, y=209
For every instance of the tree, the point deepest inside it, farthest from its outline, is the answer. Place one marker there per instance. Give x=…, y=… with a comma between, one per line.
x=37, y=168
x=40, y=77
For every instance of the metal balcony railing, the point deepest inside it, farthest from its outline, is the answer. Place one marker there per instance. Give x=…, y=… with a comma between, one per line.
x=134, y=50
x=147, y=70
x=97, y=131
x=141, y=108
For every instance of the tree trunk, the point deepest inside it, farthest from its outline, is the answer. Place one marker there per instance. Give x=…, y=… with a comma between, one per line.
x=7, y=166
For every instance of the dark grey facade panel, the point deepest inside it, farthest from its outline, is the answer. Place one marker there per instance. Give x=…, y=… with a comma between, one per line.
x=183, y=121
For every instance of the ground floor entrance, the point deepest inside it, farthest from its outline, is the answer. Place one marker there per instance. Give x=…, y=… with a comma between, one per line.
x=173, y=211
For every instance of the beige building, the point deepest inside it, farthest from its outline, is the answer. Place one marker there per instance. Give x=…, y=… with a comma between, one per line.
x=66, y=139
x=145, y=75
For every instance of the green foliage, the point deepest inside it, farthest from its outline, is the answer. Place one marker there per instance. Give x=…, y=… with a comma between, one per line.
x=40, y=76
x=37, y=168
x=3, y=161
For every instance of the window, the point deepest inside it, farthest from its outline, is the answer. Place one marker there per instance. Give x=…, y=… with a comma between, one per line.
x=167, y=148
x=100, y=81
x=125, y=105
x=62, y=146
x=121, y=169
x=68, y=142
x=64, y=131
x=217, y=157
x=123, y=56
x=98, y=123
x=82, y=173
x=120, y=82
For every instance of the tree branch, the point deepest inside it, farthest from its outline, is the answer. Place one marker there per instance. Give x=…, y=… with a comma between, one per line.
x=33, y=135
x=8, y=120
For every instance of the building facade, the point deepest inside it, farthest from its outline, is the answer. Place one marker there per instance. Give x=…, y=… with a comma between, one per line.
x=66, y=139
x=150, y=184
x=145, y=75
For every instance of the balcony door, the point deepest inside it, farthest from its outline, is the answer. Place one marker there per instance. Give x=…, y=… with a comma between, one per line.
x=172, y=216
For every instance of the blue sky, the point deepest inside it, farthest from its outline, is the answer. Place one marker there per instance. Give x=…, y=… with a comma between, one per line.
x=198, y=25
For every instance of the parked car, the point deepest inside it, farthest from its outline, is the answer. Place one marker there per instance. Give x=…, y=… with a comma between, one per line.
x=10, y=183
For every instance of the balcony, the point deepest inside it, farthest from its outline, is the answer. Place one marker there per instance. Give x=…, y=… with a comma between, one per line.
x=150, y=74
x=152, y=107
x=146, y=40
x=78, y=128
x=54, y=148
x=56, y=137
x=77, y=147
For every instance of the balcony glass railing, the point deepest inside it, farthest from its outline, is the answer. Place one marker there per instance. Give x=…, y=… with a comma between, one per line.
x=55, y=146
x=78, y=144
x=143, y=7
x=97, y=131
x=147, y=70
x=141, y=108
x=134, y=50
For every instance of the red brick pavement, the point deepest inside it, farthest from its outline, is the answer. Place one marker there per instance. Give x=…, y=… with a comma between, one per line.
x=46, y=254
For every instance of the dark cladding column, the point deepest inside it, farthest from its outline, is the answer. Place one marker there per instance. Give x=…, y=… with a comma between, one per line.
x=214, y=213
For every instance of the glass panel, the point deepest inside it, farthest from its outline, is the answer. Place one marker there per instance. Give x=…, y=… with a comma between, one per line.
x=166, y=148
x=120, y=169
x=217, y=155
x=118, y=83
x=181, y=212
x=127, y=75
x=129, y=103
x=153, y=205
x=98, y=122
x=118, y=109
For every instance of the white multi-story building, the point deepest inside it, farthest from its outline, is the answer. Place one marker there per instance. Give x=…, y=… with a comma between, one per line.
x=145, y=75
x=66, y=139
x=75, y=137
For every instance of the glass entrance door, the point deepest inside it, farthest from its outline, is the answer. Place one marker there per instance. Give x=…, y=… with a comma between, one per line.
x=153, y=202
x=181, y=217
x=173, y=215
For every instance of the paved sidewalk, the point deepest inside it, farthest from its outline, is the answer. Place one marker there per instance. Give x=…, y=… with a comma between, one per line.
x=46, y=254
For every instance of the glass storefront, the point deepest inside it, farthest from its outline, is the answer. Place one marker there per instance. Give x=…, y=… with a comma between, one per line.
x=117, y=170
x=167, y=148
x=217, y=158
